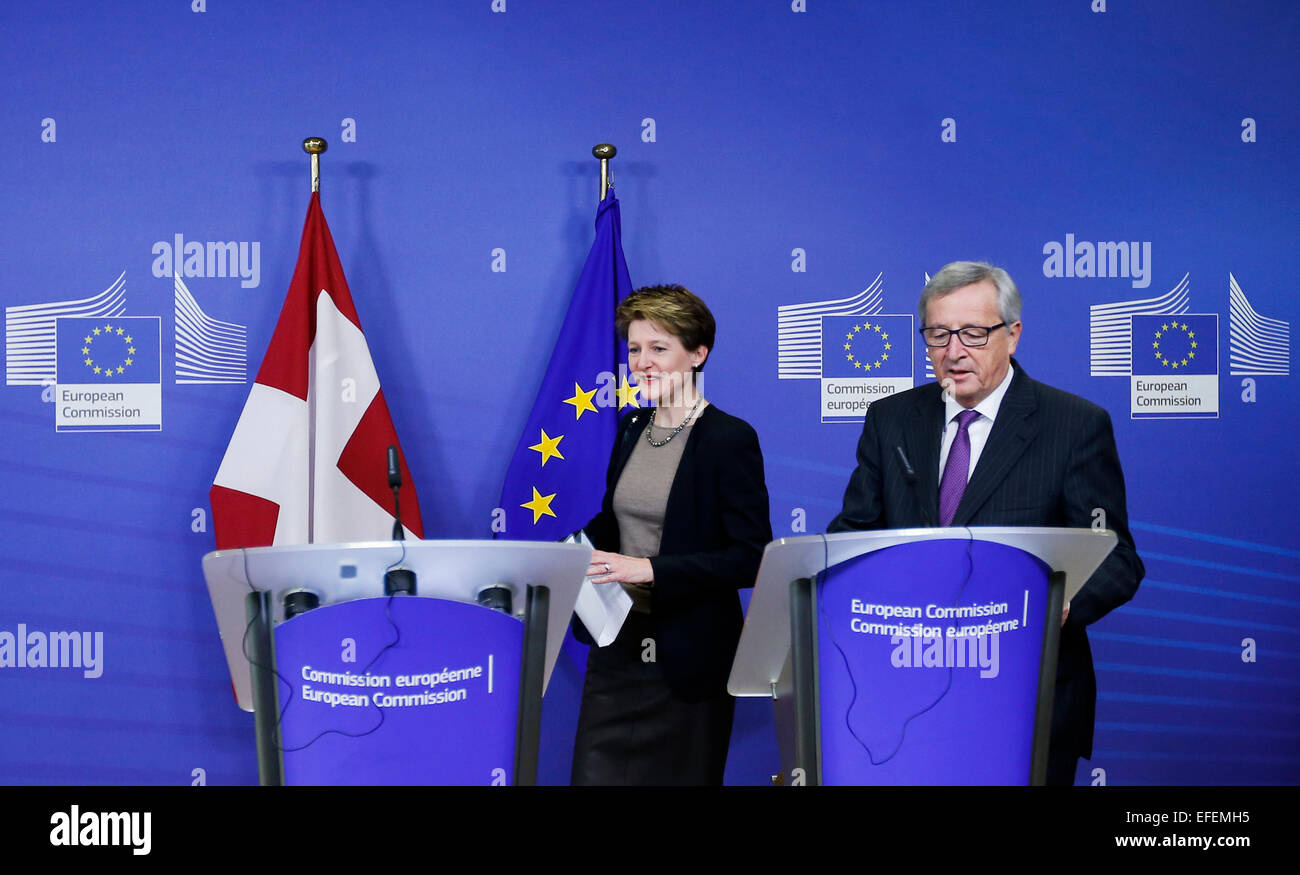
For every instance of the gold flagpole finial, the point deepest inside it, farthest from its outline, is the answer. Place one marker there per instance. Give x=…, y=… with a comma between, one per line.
x=604, y=151
x=314, y=146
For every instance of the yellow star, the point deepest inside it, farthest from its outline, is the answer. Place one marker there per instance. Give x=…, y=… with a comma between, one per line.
x=1191, y=334
x=550, y=446
x=96, y=331
x=129, y=340
x=98, y=369
x=1193, y=344
x=85, y=350
x=128, y=361
x=848, y=346
x=884, y=356
x=120, y=369
x=889, y=346
x=540, y=505
x=90, y=361
x=884, y=335
x=1157, y=335
x=88, y=340
x=119, y=330
x=626, y=395
x=1191, y=355
x=1184, y=362
x=131, y=350
x=581, y=401
x=1155, y=344
x=859, y=327
x=869, y=326
x=868, y=367
x=849, y=356
x=108, y=372
x=1173, y=365
x=857, y=364
x=1165, y=327
x=849, y=336
x=1165, y=362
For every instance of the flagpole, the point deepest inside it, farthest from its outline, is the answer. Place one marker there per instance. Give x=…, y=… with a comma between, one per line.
x=604, y=151
x=314, y=146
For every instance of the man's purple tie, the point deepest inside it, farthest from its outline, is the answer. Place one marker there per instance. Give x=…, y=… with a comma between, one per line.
x=956, y=470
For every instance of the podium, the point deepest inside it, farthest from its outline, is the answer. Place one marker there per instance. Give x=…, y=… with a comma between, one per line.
x=349, y=685
x=913, y=656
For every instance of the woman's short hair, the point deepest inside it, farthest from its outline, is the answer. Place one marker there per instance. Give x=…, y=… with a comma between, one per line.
x=675, y=309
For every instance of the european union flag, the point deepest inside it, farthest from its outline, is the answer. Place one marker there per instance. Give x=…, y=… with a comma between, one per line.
x=108, y=350
x=1169, y=345
x=866, y=346
x=556, y=478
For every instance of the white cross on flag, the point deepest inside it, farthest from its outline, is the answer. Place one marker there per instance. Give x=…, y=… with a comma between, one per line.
x=308, y=460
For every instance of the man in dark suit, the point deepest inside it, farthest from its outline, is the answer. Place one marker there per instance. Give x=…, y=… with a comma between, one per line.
x=985, y=445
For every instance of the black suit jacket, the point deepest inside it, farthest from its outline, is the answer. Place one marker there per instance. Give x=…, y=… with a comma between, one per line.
x=1050, y=460
x=716, y=525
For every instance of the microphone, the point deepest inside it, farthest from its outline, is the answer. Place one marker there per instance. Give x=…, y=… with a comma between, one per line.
x=909, y=474
x=908, y=471
x=397, y=581
x=394, y=470
x=395, y=484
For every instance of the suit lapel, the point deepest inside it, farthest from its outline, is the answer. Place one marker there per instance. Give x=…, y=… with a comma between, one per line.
x=1013, y=431
x=923, y=441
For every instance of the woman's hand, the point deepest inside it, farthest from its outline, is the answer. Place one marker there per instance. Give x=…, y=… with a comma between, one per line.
x=617, y=568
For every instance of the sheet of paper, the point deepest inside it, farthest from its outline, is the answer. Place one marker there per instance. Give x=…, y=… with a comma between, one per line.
x=601, y=607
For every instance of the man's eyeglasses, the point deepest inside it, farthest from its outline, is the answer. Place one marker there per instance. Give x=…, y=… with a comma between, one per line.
x=971, y=335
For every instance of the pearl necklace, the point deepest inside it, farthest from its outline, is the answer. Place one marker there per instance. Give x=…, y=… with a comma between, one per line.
x=674, y=433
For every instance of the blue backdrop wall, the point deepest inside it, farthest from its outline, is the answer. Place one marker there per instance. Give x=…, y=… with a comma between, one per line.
x=772, y=153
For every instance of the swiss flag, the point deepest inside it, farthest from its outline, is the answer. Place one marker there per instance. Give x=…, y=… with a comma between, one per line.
x=308, y=460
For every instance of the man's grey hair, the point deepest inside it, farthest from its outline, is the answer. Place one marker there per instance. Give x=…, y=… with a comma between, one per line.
x=952, y=277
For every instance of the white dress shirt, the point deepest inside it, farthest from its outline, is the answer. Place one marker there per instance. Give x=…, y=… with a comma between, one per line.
x=978, y=429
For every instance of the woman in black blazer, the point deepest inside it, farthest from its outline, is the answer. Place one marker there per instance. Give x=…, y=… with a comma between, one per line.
x=682, y=528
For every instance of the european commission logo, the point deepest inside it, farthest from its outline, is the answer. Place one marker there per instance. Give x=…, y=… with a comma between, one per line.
x=1175, y=367
x=108, y=374
x=1170, y=356
x=1175, y=374
x=863, y=358
x=857, y=353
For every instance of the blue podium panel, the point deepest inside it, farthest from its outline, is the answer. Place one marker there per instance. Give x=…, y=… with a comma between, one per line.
x=405, y=690
x=928, y=659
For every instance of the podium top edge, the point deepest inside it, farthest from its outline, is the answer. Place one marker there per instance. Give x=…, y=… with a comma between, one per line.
x=958, y=533
x=410, y=546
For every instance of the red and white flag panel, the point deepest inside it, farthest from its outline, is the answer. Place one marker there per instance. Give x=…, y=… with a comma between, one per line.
x=307, y=462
